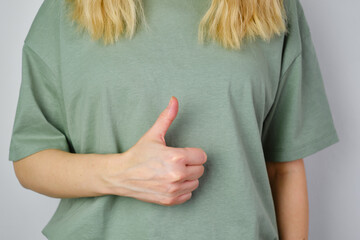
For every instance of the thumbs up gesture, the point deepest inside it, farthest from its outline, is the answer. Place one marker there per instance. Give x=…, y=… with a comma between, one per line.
x=154, y=172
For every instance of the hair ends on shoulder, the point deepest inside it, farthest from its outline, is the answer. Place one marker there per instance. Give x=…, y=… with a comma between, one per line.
x=227, y=22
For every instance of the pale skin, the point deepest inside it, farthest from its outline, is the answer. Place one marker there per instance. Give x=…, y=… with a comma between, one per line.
x=152, y=172
x=289, y=189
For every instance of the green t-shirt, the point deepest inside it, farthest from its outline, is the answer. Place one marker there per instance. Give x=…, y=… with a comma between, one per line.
x=266, y=102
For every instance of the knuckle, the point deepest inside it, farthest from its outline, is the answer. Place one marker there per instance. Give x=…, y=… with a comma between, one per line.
x=188, y=197
x=169, y=201
x=172, y=188
x=177, y=175
x=177, y=158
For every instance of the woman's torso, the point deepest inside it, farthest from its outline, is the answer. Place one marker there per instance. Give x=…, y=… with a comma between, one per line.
x=112, y=95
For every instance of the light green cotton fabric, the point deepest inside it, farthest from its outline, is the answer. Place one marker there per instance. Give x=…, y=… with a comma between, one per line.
x=266, y=102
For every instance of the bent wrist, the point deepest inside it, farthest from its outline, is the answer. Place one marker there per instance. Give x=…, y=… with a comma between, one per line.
x=111, y=174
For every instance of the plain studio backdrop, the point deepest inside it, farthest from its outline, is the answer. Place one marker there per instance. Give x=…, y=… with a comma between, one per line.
x=332, y=174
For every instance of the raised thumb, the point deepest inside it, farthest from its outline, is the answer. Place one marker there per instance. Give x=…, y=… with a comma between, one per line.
x=158, y=130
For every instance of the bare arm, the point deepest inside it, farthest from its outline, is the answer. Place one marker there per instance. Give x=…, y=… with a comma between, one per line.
x=288, y=185
x=60, y=174
x=149, y=171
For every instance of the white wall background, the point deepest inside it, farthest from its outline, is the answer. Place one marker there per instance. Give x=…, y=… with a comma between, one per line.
x=332, y=174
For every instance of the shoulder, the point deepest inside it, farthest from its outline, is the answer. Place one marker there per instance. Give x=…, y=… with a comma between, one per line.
x=296, y=20
x=43, y=36
x=298, y=32
x=45, y=22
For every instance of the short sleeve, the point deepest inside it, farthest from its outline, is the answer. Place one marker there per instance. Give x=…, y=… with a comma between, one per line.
x=300, y=121
x=39, y=121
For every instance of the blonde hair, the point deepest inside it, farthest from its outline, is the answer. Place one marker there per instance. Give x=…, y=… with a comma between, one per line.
x=228, y=22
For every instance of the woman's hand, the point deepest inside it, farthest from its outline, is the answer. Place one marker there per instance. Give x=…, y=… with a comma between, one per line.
x=153, y=172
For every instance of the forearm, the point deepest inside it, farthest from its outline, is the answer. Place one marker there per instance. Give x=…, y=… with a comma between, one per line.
x=291, y=203
x=60, y=174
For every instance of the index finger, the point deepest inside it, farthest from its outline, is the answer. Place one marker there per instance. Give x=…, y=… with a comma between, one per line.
x=193, y=156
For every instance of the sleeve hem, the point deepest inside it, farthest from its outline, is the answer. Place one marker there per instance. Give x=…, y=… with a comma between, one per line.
x=308, y=149
x=18, y=156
